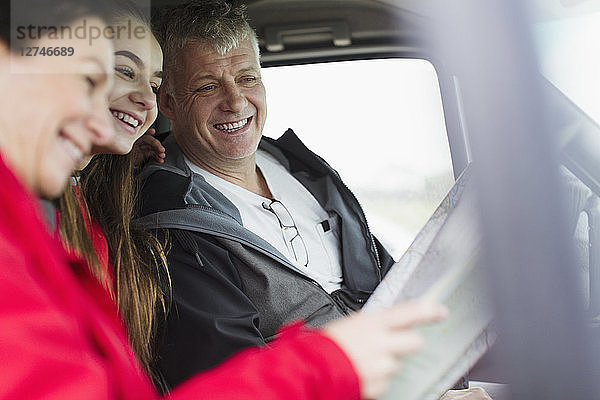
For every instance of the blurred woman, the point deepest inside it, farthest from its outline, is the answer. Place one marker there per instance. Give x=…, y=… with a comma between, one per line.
x=61, y=336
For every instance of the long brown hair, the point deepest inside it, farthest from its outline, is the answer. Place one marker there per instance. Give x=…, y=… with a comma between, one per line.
x=74, y=228
x=141, y=276
x=107, y=195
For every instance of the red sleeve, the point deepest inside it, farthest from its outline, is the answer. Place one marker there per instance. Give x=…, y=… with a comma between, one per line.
x=42, y=354
x=301, y=364
x=58, y=342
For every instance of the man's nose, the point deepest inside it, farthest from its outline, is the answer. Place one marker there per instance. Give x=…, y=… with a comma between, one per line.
x=234, y=99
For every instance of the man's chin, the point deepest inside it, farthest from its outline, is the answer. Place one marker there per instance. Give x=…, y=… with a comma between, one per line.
x=236, y=155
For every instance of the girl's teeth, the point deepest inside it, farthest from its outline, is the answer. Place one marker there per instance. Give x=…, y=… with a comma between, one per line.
x=126, y=118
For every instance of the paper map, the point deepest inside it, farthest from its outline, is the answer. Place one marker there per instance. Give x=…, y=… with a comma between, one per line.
x=442, y=264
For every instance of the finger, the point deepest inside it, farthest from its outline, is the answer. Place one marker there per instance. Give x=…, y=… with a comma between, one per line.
x=414, y=313
x=403, y=343
x=151, y=148
x=157, y=145
x=145, y=147
x=150, y=143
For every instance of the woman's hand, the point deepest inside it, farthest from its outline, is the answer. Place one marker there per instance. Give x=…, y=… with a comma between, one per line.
x=375, y=342
x=147, y=146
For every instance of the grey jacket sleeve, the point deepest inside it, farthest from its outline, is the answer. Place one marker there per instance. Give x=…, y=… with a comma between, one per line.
x=210, y=318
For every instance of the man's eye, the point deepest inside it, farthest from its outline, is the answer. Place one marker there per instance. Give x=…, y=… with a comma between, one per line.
x=206, y=88
x=249, y=79
x=128, y=72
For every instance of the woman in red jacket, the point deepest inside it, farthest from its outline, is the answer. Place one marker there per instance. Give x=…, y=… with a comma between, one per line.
x=60, y=334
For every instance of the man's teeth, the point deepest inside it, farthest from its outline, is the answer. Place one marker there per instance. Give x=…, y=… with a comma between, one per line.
x=74, y=151
x=126, y=118
x=232, y=126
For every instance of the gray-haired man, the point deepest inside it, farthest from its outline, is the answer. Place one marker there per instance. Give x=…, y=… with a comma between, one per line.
x=263, y=231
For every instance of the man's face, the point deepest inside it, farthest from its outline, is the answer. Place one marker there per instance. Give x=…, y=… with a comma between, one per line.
x=217, y=105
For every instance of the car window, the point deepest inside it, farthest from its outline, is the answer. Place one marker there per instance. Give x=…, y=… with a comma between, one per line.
x=380, y=124
x=570, y=59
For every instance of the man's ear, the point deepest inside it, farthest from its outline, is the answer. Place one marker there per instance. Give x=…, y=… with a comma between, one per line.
x=166, y=104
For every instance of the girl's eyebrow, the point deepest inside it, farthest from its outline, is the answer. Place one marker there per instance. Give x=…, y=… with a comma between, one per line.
x=131, y=56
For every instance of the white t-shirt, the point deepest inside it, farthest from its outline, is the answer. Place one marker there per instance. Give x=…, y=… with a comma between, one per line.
x=320, y=231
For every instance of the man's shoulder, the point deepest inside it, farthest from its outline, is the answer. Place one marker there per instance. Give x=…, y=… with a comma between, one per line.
x=293, y=154
x=164, y=185
x=162, y=190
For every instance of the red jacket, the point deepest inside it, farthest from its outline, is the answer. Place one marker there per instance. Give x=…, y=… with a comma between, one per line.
x=61, y=336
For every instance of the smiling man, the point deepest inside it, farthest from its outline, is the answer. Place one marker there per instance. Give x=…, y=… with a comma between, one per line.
x=218, y=110
x=262, y=231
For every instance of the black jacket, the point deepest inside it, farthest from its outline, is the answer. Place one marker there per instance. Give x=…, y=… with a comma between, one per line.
x=232, y=289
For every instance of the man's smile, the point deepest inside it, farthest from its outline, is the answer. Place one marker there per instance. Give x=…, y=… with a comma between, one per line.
x=231, y=127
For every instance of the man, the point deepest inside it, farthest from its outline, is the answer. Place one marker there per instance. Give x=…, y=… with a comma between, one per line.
x=262, y=232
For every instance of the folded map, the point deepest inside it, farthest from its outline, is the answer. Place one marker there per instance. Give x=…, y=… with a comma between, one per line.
x=443, y=265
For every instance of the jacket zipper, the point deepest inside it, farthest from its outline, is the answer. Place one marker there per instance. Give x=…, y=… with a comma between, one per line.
x=349, y=195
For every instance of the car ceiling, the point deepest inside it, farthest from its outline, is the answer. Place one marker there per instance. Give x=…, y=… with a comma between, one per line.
x=295, y=31
x=542, y=9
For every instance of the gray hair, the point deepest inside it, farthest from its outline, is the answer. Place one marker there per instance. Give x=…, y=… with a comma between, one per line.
x=214, y=23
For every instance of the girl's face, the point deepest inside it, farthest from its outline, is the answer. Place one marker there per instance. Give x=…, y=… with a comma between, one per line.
x=138, y=75
x=54, y=109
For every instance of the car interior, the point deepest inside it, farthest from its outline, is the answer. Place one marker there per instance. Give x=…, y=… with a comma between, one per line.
x=400, y=109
